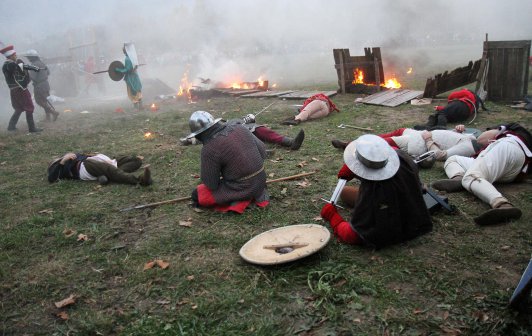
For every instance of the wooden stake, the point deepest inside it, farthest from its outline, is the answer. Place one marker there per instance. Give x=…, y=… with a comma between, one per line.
x=186, y=198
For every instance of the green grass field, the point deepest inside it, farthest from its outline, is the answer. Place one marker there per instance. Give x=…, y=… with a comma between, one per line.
x=457, y=280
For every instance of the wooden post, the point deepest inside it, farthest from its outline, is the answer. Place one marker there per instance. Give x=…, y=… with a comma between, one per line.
x=377, y=73
x=342, y=71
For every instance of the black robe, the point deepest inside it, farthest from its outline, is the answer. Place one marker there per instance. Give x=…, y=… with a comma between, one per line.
x=392, y=211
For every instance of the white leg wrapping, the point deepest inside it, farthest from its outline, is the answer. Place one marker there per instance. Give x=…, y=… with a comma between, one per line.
x=500, y=162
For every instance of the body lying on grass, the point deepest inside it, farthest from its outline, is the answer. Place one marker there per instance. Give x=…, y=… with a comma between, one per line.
x=444, y=143
x=98, y=167
x=506, y=159
x=388, y=208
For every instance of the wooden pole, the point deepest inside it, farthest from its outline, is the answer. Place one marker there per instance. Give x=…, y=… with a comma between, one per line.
x=186, y=198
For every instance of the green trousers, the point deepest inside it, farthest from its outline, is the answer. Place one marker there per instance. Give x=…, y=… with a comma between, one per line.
x=120, y=174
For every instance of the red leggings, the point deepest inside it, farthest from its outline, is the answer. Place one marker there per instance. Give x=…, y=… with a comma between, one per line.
x=266, y=134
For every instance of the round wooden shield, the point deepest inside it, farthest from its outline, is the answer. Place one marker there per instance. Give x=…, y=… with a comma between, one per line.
x=115, y=75
x=285, y=244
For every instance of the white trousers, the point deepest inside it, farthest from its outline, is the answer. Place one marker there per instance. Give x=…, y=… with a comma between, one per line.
x=501, y=162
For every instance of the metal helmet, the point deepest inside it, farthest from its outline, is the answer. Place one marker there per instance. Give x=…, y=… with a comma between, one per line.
x=31, y=53
x=199, y=122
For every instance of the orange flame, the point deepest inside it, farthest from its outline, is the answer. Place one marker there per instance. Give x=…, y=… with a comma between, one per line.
x=392, y=83
x=184, y=88
x=409, y=71
x=358, y=76
x=154, y=107
x=148, y=135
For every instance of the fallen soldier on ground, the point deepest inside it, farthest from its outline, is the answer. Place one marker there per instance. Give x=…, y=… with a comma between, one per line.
x=460, y=106
x=505, y=160
x=98, y=167
x=317, y=106
x=444, y=143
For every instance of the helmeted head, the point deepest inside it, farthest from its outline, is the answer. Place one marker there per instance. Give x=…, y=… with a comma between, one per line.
x=32, y=55
x=371, y=158
x=199, y=122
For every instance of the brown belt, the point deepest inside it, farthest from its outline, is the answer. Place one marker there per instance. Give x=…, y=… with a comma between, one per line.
x=251, y=175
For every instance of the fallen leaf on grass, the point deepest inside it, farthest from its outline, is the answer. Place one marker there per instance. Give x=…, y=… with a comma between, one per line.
x=66, y=302
x=418, y=311
x=302, y=164
x=159, y=262
x=82, y=237
x=190, y=277
x=317, y=218
x=149, y=265
x=271, y=174
x=163, y=302
x=274, y=161
x=505, y=247
x=63, y=315
x=69, y=232
x=303, y=184
x=315, y=159
x=198, y=210
x=46, y=211
x=445, y=315
x=186, y=223
x=162, y=264
x=283, y=192
x=480, y=316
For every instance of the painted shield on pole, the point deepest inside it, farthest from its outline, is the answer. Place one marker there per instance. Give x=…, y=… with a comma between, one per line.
x=115, y=75
x=285, y=244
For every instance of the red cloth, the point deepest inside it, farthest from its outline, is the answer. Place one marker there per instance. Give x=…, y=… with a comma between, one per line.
x=340, y=227
x=266, y=134
x=320, y=96
x=206, y=199
x=346, y=173
x=21, y=100
x=465, y=96
x=397, y=132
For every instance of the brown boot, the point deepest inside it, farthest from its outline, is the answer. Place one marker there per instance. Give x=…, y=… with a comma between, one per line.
x=145, y=179
x=504, y=213
x=449, y=185
x=339, y=144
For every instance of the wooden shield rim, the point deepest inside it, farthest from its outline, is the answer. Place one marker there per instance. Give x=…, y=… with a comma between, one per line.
x=270, y=257
x=115, y=75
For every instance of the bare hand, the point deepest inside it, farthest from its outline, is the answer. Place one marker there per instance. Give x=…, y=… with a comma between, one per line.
x=426, y=135
x=68, y=157
x=459, y=128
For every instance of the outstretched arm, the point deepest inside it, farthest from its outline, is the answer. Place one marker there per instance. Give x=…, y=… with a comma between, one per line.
x=341, y=228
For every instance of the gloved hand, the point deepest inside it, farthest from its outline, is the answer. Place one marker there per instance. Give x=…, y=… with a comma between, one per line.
x=328, y=211
x=346, y=173
x=248, y=119
x=340, y=227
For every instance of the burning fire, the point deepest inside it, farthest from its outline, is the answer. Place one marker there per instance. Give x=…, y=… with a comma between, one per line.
x=409, y=71
x=358, y=78
x=148, y=135
x=392, y=83
x=154, y=107
x=185, y=87
x=259, y=84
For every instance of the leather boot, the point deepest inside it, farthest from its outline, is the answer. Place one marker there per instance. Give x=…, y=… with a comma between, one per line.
x=31, y=124
x=145, y=178
x=294, y=143
x=503, y=213
x=13, y=121
x=298, y=140
x=449, y=185
x=339, y=144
